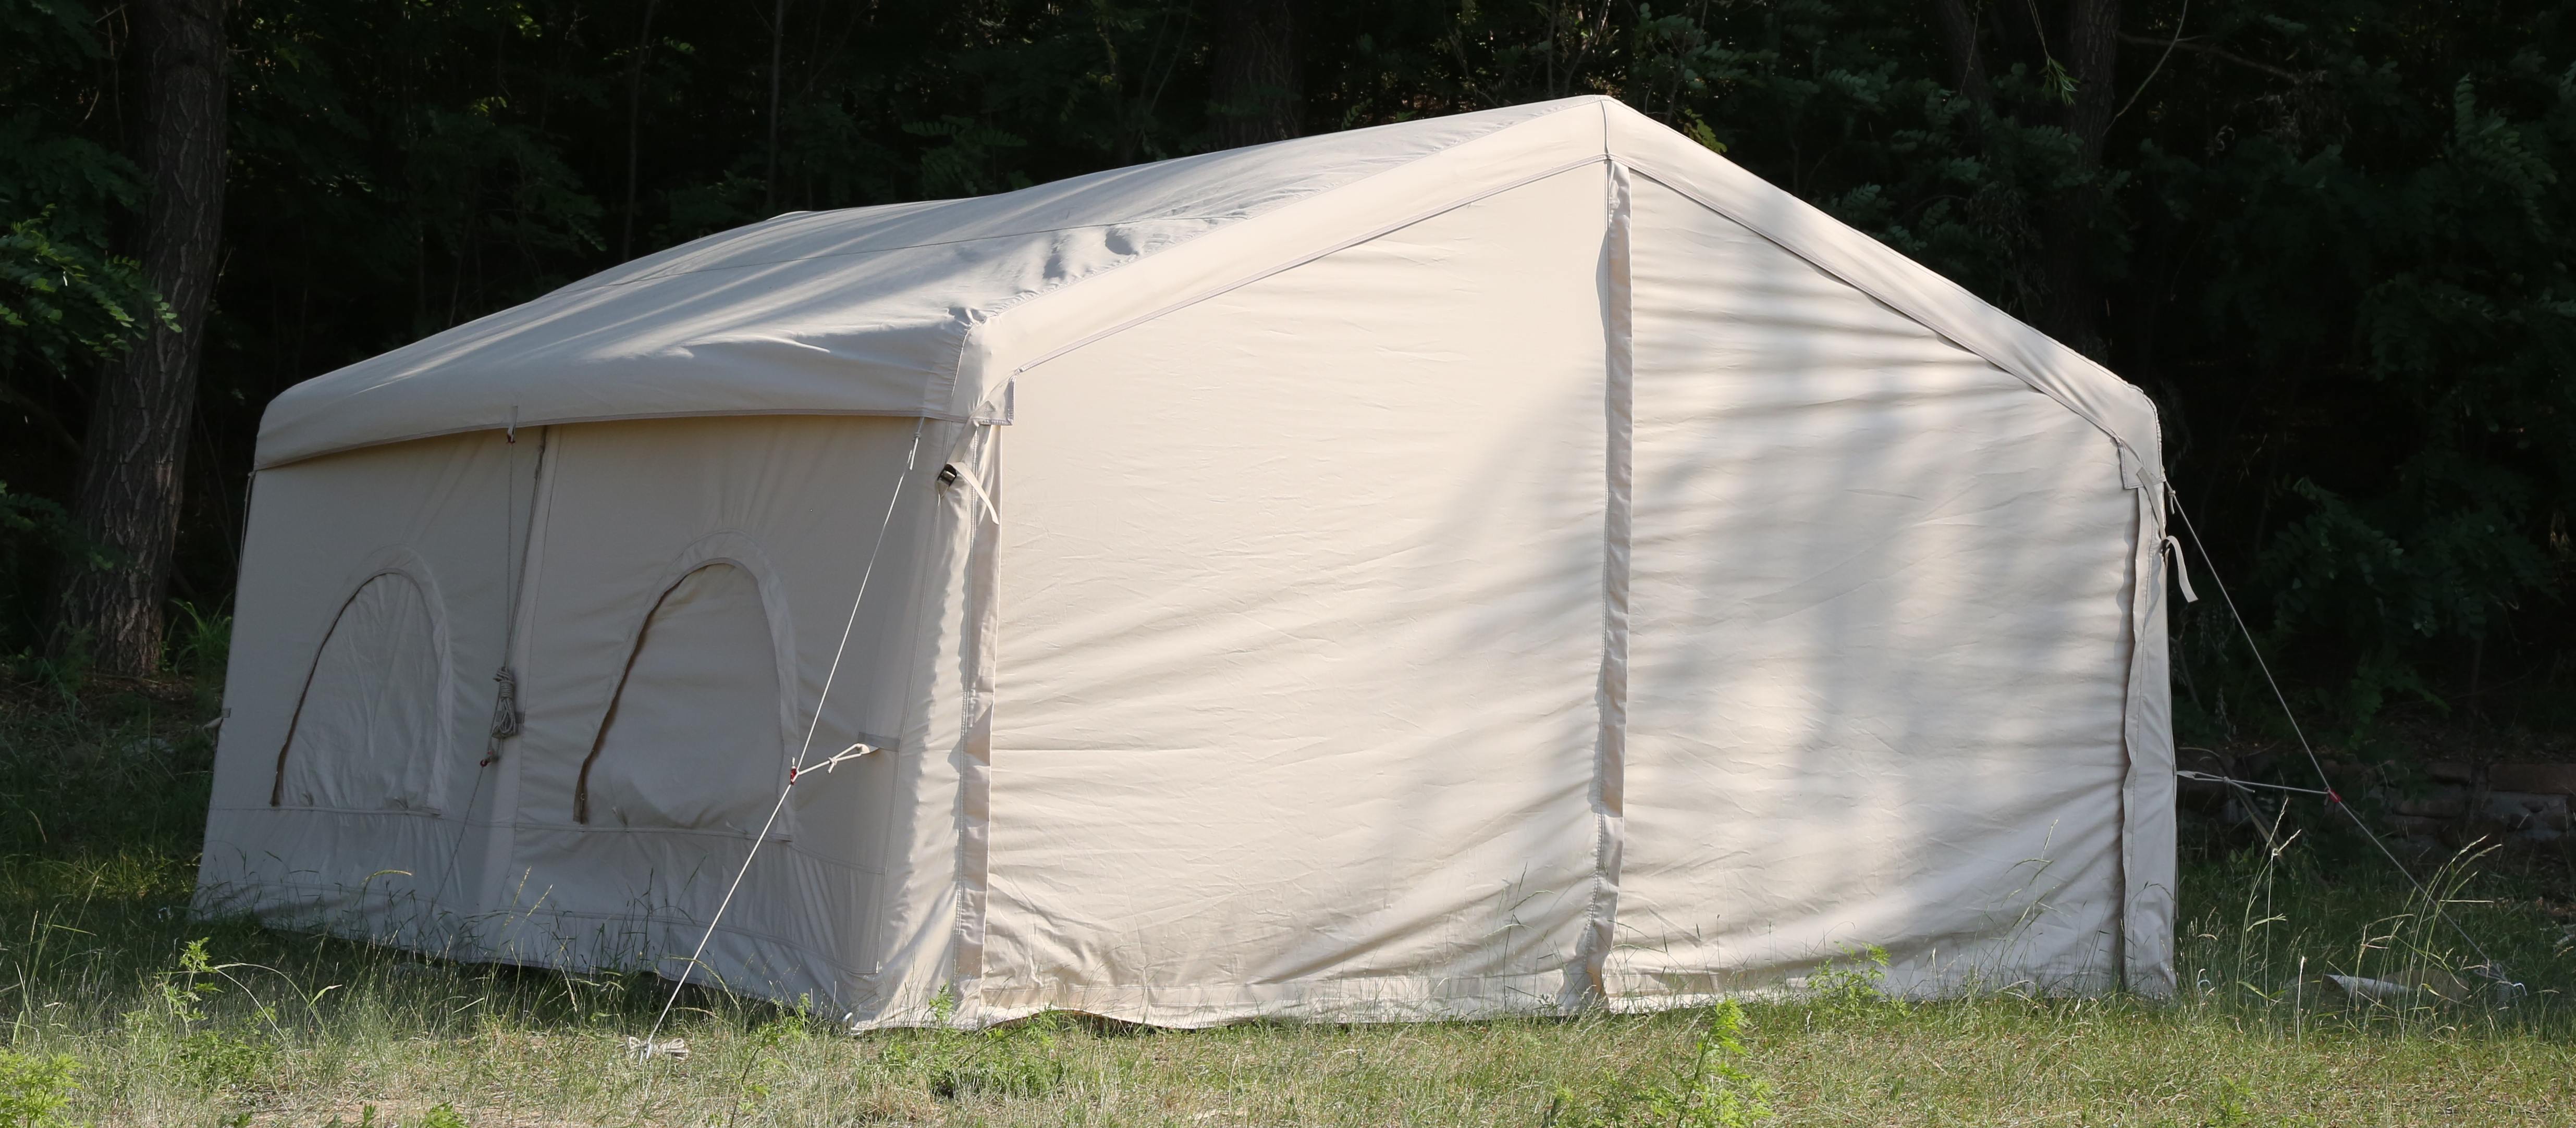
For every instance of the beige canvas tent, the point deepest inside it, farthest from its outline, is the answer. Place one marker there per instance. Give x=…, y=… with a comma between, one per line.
x=1506, y=562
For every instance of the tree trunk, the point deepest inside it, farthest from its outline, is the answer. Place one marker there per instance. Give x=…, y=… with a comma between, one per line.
x=127, y=500
x=1259, y=85
x=2092, y=52
x=1959, y=41
x=635, y=117
x=2074, y=310
x=777, y=45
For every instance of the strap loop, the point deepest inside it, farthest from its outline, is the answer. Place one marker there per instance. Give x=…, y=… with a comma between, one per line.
x=2182, y=571
x=950, y=475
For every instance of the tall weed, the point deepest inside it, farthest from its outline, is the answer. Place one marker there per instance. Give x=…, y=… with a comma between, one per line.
x=1713, y=1088
x=35, y=1088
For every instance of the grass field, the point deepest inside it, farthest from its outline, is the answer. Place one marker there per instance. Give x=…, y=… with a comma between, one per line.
x=117, y=1017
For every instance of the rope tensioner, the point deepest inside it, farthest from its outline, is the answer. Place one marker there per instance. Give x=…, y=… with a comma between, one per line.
x=795, y=767
x=852, y=752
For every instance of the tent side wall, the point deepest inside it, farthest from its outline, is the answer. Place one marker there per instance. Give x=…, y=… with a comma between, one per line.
x=1302, y=623
x=686, y=584
x=687, y=593
x=1879, y=640
x=346, y=762
x=1393, y=637
x=1424, y=597
x=2146, y=854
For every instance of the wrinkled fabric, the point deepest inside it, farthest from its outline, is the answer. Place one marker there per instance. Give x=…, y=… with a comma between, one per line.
x=1311, y=706
x=692, y=740
x=1879, y=615
x=1498, y=564
x=731, y=549
x=367, y=725
x=935, y=308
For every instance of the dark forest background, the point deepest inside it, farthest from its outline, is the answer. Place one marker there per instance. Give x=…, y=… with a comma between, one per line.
x=2330, y=237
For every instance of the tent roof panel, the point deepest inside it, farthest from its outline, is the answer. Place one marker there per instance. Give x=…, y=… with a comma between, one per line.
x=933, y=308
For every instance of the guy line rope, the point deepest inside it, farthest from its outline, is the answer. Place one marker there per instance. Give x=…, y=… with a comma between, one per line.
x=796, y=766
x=2487, y=966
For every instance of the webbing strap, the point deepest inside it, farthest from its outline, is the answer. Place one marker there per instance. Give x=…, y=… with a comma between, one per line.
x=2182, y=572
x=950, y=475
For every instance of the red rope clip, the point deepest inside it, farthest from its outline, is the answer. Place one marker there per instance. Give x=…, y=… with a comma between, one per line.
x=2332, y=799
x=791, y=777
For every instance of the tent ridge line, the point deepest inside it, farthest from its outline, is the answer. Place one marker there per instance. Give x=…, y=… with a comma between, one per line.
x=711, y=268
x=956, y=367
x=1015, y=300
x=1300, y=260
x=925, y=206
x=970, y=339
x=1911, y=312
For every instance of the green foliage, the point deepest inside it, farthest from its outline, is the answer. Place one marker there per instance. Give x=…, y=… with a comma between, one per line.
x=35, y=1088
x=61, y=305
x=764, y=1050
x=214, y=1058
x=36, y=534
x=218, y=1060
x=1017, y=1059
x=2331, y=237
x=1014, y=1059
x=1854, y=986
x=185, y=988
x=1713, y=1089
x=2229, y=1109
x=200, y=643
x=68, y=303
x=442, y=1115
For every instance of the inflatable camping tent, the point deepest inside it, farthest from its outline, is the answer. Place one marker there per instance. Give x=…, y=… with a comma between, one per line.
x=1507, y=562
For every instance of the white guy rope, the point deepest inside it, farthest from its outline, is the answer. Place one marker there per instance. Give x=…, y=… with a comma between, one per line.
x=909, y=458
x=2488, y=968
x=505, y=697
x=2232, y=781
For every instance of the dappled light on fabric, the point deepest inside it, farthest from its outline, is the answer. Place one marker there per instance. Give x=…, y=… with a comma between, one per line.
x=1518, y=562
x=1216, y=672
x=1847, y=530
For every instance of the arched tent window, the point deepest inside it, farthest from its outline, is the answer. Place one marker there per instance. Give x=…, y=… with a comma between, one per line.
x=367, y=733
x=691, y=739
